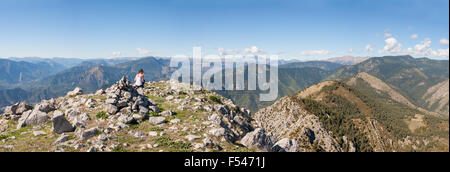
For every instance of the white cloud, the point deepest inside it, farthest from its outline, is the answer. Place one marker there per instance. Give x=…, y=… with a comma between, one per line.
x=253, y=50
x=423, y=48
x=444, y=41
x=387, y=35
x=369, y=48
x=415, y=36
x=116, y=53
x=441, y=53
x=143, y=51
x=223, y=51
x=350, y=50
x=315, y=53
x=392, y=46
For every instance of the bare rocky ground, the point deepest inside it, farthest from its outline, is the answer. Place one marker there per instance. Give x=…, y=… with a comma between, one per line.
x=163, y=116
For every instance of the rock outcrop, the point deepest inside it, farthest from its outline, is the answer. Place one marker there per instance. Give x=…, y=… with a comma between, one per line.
x=162, y=116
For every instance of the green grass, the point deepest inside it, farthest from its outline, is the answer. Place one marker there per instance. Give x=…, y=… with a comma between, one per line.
x=98, y=97
x=155, y=114
x=15, y=133
x=2, y=137
x=215, y=99
x=158, y=100
x=172, y=146
x=101, y=115
x=119, y=148
x=156, y=129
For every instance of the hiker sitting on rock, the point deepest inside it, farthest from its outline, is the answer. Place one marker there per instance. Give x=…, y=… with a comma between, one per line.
x=139, y=79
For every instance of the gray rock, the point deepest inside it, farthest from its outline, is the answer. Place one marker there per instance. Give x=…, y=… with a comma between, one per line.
x=218, y=132
x=75, y=92
x=192, y=137
x=100, y=92
x=92, y=149
x=61, y=124
x=127, y=95
x=87, y=134
x=154, y=109
x=224, y=110
x=111, y=109
x=61, y=139
x=167, y=113
x=34, y=117
x=137, y=117
x=153, y=133
x=17, y=109
x=22, y=107
x=259, y=139
x=90, y=103
x=286, y=145
x=45, y=107
x=111, y=101
x=157, y=120
x=175, y=121
x=126, y=119
x=208, y=142
x=37, y=133
x=139, y=135
x=143, y=110
x=122, y=103
x=102, y=137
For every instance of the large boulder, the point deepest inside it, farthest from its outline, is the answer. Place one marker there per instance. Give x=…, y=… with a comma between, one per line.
x=61, y=124
x=21, y=108
x=111, y=109
x=75, y=92
x=34, y=117
x=15, y=111
x=45, y=107
x=87, y=134
x=259, y=139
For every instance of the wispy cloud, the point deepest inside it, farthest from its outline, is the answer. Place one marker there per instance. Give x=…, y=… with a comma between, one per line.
x=315, y=52
x=444, y=41
x=143, y=51
x=116, y=53
x=369, y=48
x=415, y=36
x=253, y=50
x=350, y=50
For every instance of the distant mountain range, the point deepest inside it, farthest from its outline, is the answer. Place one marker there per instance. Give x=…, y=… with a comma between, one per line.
x=411, y=77
x=347, y=60
x=34, y=79
x=12, y=72
x=416, y=79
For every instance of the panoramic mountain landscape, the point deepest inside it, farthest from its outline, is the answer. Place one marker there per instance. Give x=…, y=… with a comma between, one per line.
x=322, y=106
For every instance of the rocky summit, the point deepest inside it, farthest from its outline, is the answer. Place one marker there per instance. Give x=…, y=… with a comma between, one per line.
x=164, y=116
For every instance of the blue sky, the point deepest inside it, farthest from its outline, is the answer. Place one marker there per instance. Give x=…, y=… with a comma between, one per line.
x=299, y=29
